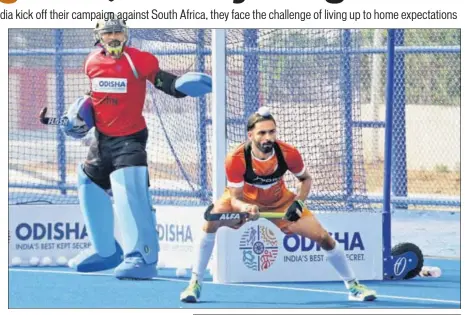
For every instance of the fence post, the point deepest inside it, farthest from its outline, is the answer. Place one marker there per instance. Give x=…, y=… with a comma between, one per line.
x=346, y=88
x=375, y=97
x=399, y=146
x=250, y=73
x=387, y=263
x=60, y=108
x=202, y=118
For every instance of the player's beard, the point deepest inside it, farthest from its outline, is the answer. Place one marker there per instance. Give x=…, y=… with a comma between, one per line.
x=265, y=147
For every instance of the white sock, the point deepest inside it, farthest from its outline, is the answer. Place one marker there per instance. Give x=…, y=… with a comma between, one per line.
x=338, y=260
x=204, y=248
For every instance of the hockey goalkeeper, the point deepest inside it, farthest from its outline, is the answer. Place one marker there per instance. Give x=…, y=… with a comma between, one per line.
x=117, y=158
x=254, y=172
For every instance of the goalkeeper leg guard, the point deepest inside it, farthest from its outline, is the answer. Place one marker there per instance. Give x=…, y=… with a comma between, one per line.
x=97, y=210
x=137, y=223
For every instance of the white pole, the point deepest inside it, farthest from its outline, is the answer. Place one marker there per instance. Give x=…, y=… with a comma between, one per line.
x=218, y=111
x=219, y=140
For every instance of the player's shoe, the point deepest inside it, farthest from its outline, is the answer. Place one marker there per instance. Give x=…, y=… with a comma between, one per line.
x=359, y=292
x=192, y=293
x=134, y=267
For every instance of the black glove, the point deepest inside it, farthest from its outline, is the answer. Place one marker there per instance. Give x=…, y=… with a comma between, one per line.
x=294, y=212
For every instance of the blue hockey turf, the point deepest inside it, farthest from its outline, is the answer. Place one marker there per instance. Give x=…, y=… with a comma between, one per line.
x=63, y=288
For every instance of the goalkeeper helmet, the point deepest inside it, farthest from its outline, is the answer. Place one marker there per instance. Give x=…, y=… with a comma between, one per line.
x=113, y=47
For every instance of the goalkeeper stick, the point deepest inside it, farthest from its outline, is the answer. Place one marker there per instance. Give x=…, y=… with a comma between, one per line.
x=241, y=215
x=53, y=121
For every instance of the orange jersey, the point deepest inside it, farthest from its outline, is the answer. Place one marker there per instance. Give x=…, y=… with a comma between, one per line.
x=263, y=194
x=118, y=88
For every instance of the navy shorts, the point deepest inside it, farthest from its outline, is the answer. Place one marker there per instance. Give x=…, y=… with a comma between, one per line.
x=107, y=154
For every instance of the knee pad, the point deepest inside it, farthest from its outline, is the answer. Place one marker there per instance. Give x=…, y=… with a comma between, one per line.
x=133, y=209
x=97, y=209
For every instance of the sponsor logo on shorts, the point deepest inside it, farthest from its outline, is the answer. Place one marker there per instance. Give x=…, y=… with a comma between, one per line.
x=109, y=85
x=259, y=248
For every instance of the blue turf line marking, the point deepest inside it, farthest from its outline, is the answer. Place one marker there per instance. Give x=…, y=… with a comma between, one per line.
x=241, y=285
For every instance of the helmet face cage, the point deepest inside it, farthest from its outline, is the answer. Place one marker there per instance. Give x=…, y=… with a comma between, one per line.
x=114, y=49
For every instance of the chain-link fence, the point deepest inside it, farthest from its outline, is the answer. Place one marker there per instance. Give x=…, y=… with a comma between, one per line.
x=314, y=73
x=426, y=116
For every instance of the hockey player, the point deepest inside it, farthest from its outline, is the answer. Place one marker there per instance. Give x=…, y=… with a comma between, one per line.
x=255, y=182
x=117, y=158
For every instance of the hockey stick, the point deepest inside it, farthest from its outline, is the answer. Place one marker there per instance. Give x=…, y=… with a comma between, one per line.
x=292, y=214
x=53, y=121
x=241, y=215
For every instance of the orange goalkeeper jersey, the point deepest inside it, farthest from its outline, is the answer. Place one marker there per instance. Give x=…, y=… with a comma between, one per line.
x=263, y=181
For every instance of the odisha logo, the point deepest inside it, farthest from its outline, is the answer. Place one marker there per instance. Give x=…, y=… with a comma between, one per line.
x=259, y=248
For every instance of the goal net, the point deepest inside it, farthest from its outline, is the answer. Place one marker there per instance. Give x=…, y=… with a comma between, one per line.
x=307, y=78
